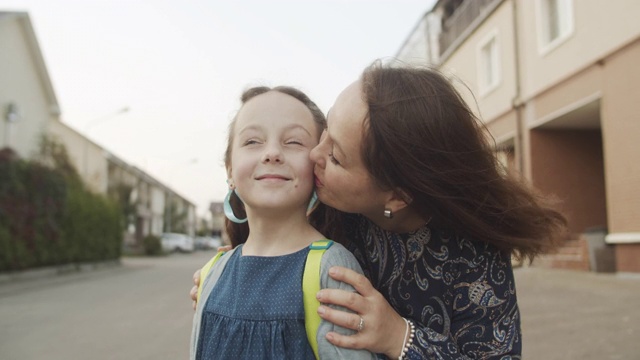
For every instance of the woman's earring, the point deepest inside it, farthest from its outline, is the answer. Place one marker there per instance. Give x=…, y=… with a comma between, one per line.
x=312, y=203
x=228, y=210
x=388, y=214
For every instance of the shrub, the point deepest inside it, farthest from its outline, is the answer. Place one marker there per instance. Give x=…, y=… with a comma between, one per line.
x=48, y=217
x=152, y=245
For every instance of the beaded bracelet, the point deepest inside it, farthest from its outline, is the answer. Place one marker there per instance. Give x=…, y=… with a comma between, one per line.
x=407, y=343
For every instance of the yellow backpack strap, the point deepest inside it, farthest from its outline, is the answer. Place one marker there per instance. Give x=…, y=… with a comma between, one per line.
x=205, y=271
x=310, y=287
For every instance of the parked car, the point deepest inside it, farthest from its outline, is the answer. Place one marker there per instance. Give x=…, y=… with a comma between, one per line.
x=174, y=242
x=207, y=242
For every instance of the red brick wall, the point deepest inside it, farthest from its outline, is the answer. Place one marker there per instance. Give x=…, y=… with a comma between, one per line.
x=569, y=165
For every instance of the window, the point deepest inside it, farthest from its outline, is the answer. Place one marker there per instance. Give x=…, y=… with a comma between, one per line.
x=555, y=20
x=489, y=75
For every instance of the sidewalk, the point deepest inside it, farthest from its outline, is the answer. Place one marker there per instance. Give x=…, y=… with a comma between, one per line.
x=578, y=315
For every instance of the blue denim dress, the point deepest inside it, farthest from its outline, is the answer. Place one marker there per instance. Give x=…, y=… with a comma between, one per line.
x=255, y=310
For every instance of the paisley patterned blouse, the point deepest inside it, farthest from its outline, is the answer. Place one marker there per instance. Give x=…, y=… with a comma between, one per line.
x=460, y=293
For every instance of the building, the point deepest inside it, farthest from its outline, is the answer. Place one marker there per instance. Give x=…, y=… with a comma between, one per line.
x=555, y=82
x=28, y=103
x=30, y=110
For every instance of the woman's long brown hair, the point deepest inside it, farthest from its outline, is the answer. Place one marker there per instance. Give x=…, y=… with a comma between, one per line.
x=421, y=137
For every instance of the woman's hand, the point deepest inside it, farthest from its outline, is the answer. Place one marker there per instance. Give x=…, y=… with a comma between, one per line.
x=194, y=290
x=193, y=294
x=383, y=329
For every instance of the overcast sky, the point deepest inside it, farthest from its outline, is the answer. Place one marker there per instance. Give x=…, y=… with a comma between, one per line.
x=180, y=66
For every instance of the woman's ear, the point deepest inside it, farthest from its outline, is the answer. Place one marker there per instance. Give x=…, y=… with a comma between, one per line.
x=398, y=200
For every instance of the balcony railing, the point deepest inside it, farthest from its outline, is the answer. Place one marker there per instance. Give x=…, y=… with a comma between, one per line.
x=468, y=14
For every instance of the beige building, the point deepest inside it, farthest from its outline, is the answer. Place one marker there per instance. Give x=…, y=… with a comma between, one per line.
x=29, y=110
x=556, y=83
x=154, y=207
x=27, y=100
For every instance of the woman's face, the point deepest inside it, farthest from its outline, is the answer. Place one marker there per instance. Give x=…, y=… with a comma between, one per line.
x=342, y=181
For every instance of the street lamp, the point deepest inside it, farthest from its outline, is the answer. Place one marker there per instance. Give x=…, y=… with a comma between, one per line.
x=11, y=115
x=88, y=127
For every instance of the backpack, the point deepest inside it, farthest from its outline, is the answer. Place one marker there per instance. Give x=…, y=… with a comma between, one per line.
x=310, y=287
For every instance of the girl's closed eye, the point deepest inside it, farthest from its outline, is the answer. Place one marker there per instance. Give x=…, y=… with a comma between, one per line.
x=250, y=142
x=294, y=142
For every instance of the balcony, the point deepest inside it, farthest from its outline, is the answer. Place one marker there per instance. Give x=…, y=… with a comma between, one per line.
x=460, y=19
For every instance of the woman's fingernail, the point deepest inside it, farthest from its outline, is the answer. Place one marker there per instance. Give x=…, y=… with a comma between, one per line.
x=330, y=336
x=333, y=271
x=321, y=310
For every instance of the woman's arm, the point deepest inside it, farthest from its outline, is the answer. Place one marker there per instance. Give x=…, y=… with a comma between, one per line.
x=484, y=326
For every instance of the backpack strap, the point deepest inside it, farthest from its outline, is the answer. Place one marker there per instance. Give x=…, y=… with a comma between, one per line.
x=310, y=287
x=205, y=271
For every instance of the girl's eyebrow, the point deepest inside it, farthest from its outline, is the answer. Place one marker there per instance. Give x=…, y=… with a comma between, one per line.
x=297, y=126
x=260, y=128
x=250, y=127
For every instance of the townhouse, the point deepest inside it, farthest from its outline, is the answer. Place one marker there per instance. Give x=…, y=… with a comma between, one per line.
x=557, y=85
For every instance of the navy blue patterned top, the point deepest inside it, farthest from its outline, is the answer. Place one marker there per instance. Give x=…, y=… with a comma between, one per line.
x=460, y=293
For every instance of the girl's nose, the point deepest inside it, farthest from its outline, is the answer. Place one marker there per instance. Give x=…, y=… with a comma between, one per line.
x=272, y=155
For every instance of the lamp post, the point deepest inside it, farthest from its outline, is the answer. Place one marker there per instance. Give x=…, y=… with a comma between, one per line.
x=88, y=127
x=11, y=115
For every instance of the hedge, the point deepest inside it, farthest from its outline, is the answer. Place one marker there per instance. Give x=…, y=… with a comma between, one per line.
x=48, y=217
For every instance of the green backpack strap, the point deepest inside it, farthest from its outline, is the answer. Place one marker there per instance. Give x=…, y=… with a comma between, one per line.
x=205, y=271
x=310, y=287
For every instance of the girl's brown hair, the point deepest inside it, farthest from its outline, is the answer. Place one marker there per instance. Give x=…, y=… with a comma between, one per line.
x=421, y=138
x=238, y=233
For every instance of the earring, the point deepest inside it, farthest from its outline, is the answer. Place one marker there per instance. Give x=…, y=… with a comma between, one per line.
x=228, y=211
x=312, y=202
x=388, y=214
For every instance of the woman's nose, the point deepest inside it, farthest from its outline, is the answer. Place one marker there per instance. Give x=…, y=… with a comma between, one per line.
x=316, y=154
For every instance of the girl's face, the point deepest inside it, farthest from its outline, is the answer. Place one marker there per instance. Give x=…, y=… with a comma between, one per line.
x=270, y=165
x=342, y=181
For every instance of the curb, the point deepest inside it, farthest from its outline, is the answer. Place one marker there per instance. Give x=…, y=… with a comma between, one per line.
x=50, y=271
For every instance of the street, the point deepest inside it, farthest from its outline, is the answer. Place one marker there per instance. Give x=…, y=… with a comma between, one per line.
x=141, y=310
x=579, y=315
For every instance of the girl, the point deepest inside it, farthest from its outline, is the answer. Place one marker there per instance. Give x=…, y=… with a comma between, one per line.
x=256, y=310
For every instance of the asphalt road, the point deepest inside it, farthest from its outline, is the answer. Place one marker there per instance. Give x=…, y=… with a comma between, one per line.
x=579, y=315
x=141, y=310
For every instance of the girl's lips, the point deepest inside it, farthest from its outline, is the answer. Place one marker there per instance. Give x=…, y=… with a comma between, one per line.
x=271, y=177
x=318, y=182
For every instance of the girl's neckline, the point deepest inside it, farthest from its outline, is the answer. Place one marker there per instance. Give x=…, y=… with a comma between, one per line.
x=295, y=252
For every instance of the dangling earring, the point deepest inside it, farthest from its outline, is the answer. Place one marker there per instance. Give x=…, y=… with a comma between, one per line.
x=388, y=214
x=312, y=202
x=228, y=211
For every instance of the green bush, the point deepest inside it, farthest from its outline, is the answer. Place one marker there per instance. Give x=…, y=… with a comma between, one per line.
x=48, y=217
x=152, y=245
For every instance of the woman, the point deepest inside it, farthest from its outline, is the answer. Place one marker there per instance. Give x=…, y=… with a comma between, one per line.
x=431, y=218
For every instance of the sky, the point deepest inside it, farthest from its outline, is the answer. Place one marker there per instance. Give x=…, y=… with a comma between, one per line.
x=179, y=67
